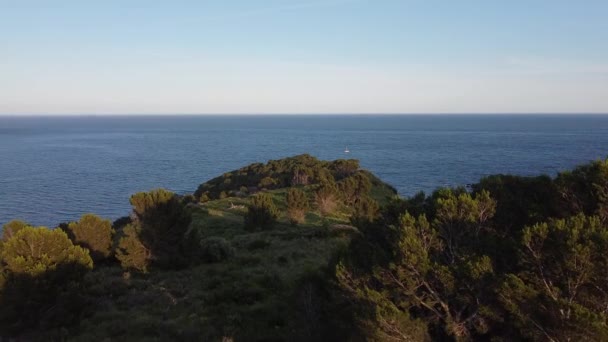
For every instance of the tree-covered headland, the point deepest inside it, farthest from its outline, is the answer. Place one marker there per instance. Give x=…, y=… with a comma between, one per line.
x=300, y=249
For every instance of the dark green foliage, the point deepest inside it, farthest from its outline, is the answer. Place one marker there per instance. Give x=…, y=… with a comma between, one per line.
x=521, y=201
x=433, y=267
x=188, y=199
x=358, y=311
x=560, y=292
x=365, y=210
x=267, y=183
x=585, y=189
x=161, y=223
x=215, y=249
x=11, y=228
x=94, y=234
x=120, y=223
x=416, y=205
x=257, y=244
x=40, y=281
x=352, y=189
x=485, y=265
x=302, y=175
x=262, y=213
x=326, y=198
x=299, y=170
x=297, y=205
x=345, y=168
x=296, y=199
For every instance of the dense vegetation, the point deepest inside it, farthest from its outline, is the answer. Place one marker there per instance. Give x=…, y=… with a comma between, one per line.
x=296, y=171
x=305, y=250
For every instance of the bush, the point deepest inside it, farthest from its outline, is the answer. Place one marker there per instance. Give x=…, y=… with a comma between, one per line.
x=301, y=176
x=36, y=250
x=93, y=233
x=353, y=188
x=262, y=212
x=131, y=252
x=326, y=198
x=297, y=204
x=215, y=249
x=345, y=167
x=366, y=209
x=204, y=198
x=257, y=244
x=187, y=199
x=266, y=182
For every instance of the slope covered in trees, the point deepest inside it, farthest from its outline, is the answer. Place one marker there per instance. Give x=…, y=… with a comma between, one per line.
x=305, y=250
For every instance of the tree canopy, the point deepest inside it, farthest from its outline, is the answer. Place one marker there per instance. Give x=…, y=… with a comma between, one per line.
x=41, y=272
x=93, y=233
x=518, y=258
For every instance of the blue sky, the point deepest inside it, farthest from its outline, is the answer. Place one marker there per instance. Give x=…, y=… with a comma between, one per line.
x=303, y=56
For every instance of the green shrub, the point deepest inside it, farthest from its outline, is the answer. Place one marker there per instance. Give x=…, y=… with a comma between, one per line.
x=366, y=209
x=267, y=183
x=204, y=198
x=34, y=251
x=94, y=234
x=342, y=230
x=145, y=203
x=257, y=244
x=326, y=198
x=354, y=187
x=131, y=252
x=215, y=249
x=345, y=167
x=301, y=176
x=297, y=205
x=262, y=212
x=187, y=199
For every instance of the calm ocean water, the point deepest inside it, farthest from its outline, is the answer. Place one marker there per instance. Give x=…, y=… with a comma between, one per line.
x=54, y=169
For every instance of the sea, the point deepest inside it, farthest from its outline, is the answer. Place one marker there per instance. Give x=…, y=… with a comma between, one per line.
x=54, y=169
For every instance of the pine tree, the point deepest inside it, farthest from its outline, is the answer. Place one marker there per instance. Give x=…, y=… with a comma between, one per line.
x=41, y=280
x=93, y=233
x=161, y=222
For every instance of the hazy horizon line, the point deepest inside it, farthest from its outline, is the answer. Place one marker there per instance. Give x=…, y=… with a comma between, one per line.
x=289, y=114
